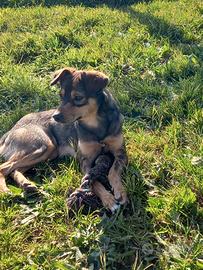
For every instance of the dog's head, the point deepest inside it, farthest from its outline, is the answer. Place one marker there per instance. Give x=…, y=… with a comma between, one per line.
x=79, y=92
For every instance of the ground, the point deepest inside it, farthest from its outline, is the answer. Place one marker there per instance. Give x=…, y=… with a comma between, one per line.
x=152, y=53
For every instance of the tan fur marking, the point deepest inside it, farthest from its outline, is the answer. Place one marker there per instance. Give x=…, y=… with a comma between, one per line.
x=107, y=198
x=91, y=120
x=116, y=183
x=90, y=117
x=114, y=143
x=88, y=112
x=89, y=148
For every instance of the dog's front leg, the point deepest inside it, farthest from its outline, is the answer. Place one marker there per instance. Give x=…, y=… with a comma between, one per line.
x=88, y=152
x=114, y=176
x=117, y=147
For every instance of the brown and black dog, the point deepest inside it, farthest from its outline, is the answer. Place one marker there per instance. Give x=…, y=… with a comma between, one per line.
x=87, y=122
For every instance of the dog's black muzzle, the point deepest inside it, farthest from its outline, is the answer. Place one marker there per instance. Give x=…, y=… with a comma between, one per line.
x=58, y=117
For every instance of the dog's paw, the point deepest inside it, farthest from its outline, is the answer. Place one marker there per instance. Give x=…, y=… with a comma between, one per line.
x=29, y=188
x=110, y=202
x=5, y=190
x=3, y=187
x=121, y=196
x=115, y=208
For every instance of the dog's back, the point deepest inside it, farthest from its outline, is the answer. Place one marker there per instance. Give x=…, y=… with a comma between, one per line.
x=35, y=137
x=29, y=134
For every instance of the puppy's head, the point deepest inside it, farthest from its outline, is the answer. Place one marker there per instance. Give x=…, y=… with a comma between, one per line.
x=79, y=92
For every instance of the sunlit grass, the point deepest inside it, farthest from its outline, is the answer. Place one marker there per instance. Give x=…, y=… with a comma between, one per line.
x=152, y=54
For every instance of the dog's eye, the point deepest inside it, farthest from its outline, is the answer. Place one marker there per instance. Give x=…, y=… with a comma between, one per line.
x=79, y=100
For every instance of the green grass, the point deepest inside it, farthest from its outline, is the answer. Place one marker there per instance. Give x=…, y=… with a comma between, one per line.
x=152, y=52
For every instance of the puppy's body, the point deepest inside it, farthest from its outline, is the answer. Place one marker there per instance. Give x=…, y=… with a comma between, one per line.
x=87, y=122
x=28, y=133
x=36, y=130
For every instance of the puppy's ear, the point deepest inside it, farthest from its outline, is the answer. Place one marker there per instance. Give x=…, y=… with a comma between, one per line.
x=62, y=74
x=95, y=80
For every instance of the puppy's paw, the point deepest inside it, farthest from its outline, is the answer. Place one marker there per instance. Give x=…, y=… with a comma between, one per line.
x=29, y=188
x=110, y=202
x=5, y=190
x=115, y=207
x=121, y=196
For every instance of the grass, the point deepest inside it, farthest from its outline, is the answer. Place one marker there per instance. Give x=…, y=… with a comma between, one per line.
x=152, y=52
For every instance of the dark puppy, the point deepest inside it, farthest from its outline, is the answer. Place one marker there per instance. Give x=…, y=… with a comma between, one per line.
x=87, y=122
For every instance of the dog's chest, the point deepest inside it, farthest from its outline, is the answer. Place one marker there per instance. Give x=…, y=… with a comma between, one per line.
x=93, y=132
x=109, y=144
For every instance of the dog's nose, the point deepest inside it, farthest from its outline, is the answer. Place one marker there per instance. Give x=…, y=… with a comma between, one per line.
x=58, y=117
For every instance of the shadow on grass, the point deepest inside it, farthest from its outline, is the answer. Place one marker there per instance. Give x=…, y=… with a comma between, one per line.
x=85, y=3
x=159, y=27
x=129, y=240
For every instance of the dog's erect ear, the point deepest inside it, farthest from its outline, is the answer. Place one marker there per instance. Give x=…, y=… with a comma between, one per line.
x=95, y=80
x=61, y=74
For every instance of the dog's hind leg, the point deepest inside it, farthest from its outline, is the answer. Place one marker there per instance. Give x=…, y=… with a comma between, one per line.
x=27, y=160
x=3, y=187
x=22, y=181
x=19, y=162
